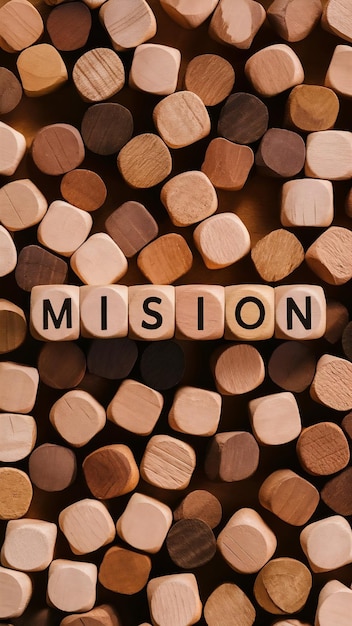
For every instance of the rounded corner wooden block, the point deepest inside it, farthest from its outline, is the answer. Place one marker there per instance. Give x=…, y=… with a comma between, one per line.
x=222, y=240
x=128, y=23
x=135, y=407
x=195, y=411
x=237, y=24
x=155, y=69
x=77, y=416
x=87, y=525
x=99, y=260
x=72, y=585
x=98, y=74
x=168, y=462
x=144, y=523
x=29, y=544
x=274, y=69
x=165, y=259
x=16, y=591
x=181, y=119
x=307, y=202
x=275, y=419
x=42, y=70
x=300, y=312
x=200, y=311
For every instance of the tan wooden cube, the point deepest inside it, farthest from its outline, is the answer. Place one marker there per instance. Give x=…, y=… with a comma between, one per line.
x=165, y=259
x=339, y=73
x=237, y=368
x=226, y=601
x=129, y=23
x=337, y=18
x=16, y=591
x=277, y=255
x=249, y=312
x=144, y=161
x=174, y=600
x=289, y=496
x=110, y=471
x=18, y=387
x=329, y=155
x=72, y=585
x=292, y=20
x=135, y=407
x=29, y=544
x=334, y=603
x=329, y=255
x=290, y=594
x=12, y=149
x=327, y=543
x=274, y=69
x=42, y=70
x=275, y=419
x=99, y=261
x=98, y=74
x=168, y=463
x=144, y=523
x=323, y=449
x=331, y=384
x=200, y=504
x=22, y=205
x=55, y=312
x=307, y=202
x=300, y=312
x=8, y=255
x=124, y=571
x=155, y=69
x=104, y=311
x=64, y=228
x=237, y=24
x=211, y=77
x=232, y=456
x=181, y=119
x=21, y=25
x=189, y=15
x=199, y=311
x=18, y=434
x=87, y=525
x=195, y=411
x=13, y=326
x=77, y=416
x=311, y=108
x=227, y=164
x=189, y=198
x=16, y=493
x=151, y=312
x=222, y=240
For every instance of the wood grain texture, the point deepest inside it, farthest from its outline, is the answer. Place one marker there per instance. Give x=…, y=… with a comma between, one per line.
x=132, y=227
x=199, y=311
x=331, y=383
x=12, y=149
x=312, y=108
x=165, y=259
x=16, y=493
x=106, y=127
x=18, y=434
x=64, y=228
x=274, y=69
x=22, y=378
x=128, y=23
x=337, y=18
x=144, y=161
x=29, y=544
x=293, y=20
x=195, y=411
x=57, y=149
x=110, y=471
x=168, y=463
x=181, y=119
x=37, y=266
x=42, y=70
x=189, y=198
x=336, y=493
x=329, y=255
x=99, y=261
x=98, y=74
x=229, y=603
x=335, y=599
x=338, y=75
x=243, y=118
x=290, y=594
x=16, y=590
x=280, y=153
x=102, y=615
x=323, y=449
x=329, y=155
x=200, y=504
x=124, y=571
x=174, y=599
x=13, y=326
x=60, y=467
x=307, y=202
x=155, y=69
x=22, y=204
x=72, y=585
x=289, y=496
x=231, y=456
x=275, y=419
x=237, y=368
x=84, y=189
x=221, y=240
x=151, y=312
x=21, y=24
x=144, y=523
x=277, y=255
x=292, y=366
x=69, y=25
x=249, y=312
x=135, y=407
x=77, y=416
x=327, y=543
x=10, y=91
x=190, y=543
x=189, y=16
x=211, y=77
x=61, y=364
x=237, y=25
x=227, y=164
x=87, y=525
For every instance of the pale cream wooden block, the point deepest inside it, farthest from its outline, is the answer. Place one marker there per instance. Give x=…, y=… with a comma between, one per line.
x=18, y=434
x=104, y=311
x=181, y=119
x=41, y=69
x=15, y=592
x=144, y=523
x=168, y=462
x=12, y=149
x=195, y=411
x=249, y=312
x=54, y=312
x=300, y=312
x=22, y=205
x=151, y=312
x=307, y=202
x=129, y=23
x=293, y=20
x=174, y=600
x=334, y=605
x=222, y=240
x=77, y=416
x=329, y=256
x=275, y=419
x=18, y=387
x=155, y=69
x=99, y=261
x=135, y=407
x=331, y=384
x=199, y=311
x=64, y=227
x=329, y=155
x=246, y=542
x=337, y=18
x=29, y=544
x=21, y=24
x=339, y=73
x=8, y=252
x=87, y=525
x=237, y=24
x=72, y=585
x=327, y=543
x=274, y=69
x=189, y=14
x=189, y=198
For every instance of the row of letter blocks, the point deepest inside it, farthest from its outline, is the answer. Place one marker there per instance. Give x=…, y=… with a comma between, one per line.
x=199, y=312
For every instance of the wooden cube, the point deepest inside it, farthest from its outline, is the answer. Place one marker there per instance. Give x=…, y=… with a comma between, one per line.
x=237, y=368
x=199, y=311
x=55, y=312
x=64, y=228
x=323, y=449
x=8, y=257
x=337, y=18
x=181, y=119
x=13, y=326
x=174, y=596
x=21, y=25
x=16, y=493
x=329, y=155
x=227, y=164
x=307, y=202
x=135, y=407
x=335, y=598
x=144, y=523
x=311, y=108
x=42, y=70
x=189, y=198
x=165, y=259
x=327, y=543
x=110, y=471
x=16, y=591
x=155, y=69
x=151, y=312
x=289, y=496
x=99, y=261
x=124, y=571
x=237, y=25
x=98, y=74
x=300, y=312
x=329, y=256
x=200, y=504
x=72, y=585
x=21, y=205
x=222, y=240
x=12, y=93
x=132, y=227
x=104, y=311
x=186, y=15
x=331, y=384
x=144, y=161
x=128, y=23
x=87, y=525
x=243, y=118
x=290, y=22
x=77, y=416
x=281, y=153
x=292, y=366
x=195, y=533
x=228, y=600
x=249, y=312
x=29, y=544
x=18, y=434
x=168, y=463
x=275, y=419
x=277, y=255
x=83, y=188
x=12, y=149
x=18, y=387
x=211, y=77
x=232, y=456
x=338, y=75
x=60, y=467
x=290, y=594
x=69, y=26
x=274, y=69
x=195, y=411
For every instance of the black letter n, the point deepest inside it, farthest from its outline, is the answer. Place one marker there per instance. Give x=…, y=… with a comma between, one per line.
x=48, y=310
x=305, y=320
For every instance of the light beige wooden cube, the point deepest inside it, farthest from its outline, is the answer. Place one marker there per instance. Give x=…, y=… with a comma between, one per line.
x=274, y=69
x=54, y=312
x=307, y=202
x=329, y=256
x=181, y=119
x=18, y=387
x=236, y=24
x=64, y=228
x=189, y=198
x=200, y=311
x=72, y=585
x=168, y=462
x=222, y=240
x=29, y=544
x=339, y=73
x=99, y=261
x=18, y=434
x=195, y=411
x=337, y=18
x=87, y=525
x=128, y=22
x=174, y=600
x=135, y=407
x=292, y=20
x=21, y=205
x=327, y=543
x=144, y=523
x=8, y=256
x=334, y=605
x=300, y=312
x=329, y=155
x=77, y=416
x=15, y=592
x=275, y=419
x=151, y=312
x=189, y=14
x=331, y=384
x=249, y=312
x=104, y=311
x=155, y=69
x=12, y=149
x=42, y=70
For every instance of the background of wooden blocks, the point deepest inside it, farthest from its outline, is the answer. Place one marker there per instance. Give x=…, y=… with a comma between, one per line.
x=168, y=462
x=64, y=228
x=274, y=69
x=155, y=69
x=41, y=69
x=69, y=26
x=104, y=311
x=106, y=127
x=55, y=312
x=37, y=266
x=307, y=319
x=18, y=434
x=243, y=118
x=330, y=384
x=174, y=599
x=144, y=161
x=181, y=119
x=327, y=543
x=99, y=261
x=186, y=15
x=57, y=149
x=144, y=523
x=275, y=419
x=60, y=464
x=329, y=255
x=98, y=74
x=307, y=202
x=195, y=411
x=72, y=585
x=135, y=407
x=24, y=380
x=289, y=496
x=128, y=23
x=249, y=312
x=226, y=601
x=110, y=471
x=277, y=255
x=190, y=543
x=151, y=312
x=12, y=149
x=189, y=198
x=338, y=75
x=337, y=18
x=280, y=153
x=132, y=227
x=228, y=229
x=323, y=449
x=237, y=369
x=232, y=456
x=22, y=205
x=16, y=493
x=227, y=164
x=311, y=108
x=200, y=504
x=84, y=189
x=87, y=525
x=199, y=311
x=329, y=154
x=165, y=259
x=8, y=258
x=13, y=326
x=290, y=22
x=211, y=77
x=16, y=591
x=124, y=571
x=29, y=544
x=21, y=25
x=335, y=599
x=103, y=615
x=77, y=416
x=292, y=366
x=237, y=25
x=288, y=597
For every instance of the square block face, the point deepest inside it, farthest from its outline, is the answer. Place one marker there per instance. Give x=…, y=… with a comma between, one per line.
x=195, y=411
x=329, y=155
x=144, y=523
x=18, y=387
x=300, y=312
x=339, y=74
x=104, y=311
x=327, y=543
x=200, y=311
x=168, y=462
x=55, y=312
x=132, y=227
x=155, y=69
x=249, y=312
x=99, y=261
x=29, y=544
x=222, y=239
x=64, y=228
x=87, y=525
x=275, y=419
x=307, y=202
x=135, y=407
x=72, y=585
x=174, y=595
x=151, y=312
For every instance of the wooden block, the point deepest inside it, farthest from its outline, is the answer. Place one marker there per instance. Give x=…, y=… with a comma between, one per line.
x=190, y=543
x=98, y=74
x=323, y=449
x=168, y=463
x=338, y=75
x=329, y=155
x=331, y=383
x=12, y=149
x=232, y=456
x=336, y=319
x=174, y=599
x=106, y=127
x=18, y=434
x=199, y=311
x=337, y=18
x=151, y=312
x=189, y=198
x=87, y=525
x=69, y=26
x=61, y=364
x=60, y=467
x=189, y=16
x=200, y=504
x=37, y=266
x=162, y=365
x=13, y=326
x=291, y=22
x=41, y=69
x=237, y=369
x=83, y=188
x=307, y=202
x=211, y=77
x=10, y=91
x=64, y=228
x=103, y=615
x=16, y=493
x=283, y=586
x=72, y=585
x=144, y=161
x=8, y=257
x=110, y=471
x=155, y=69
x=21, y=24
x=249, y=312
x=237, y=25
x=165, y=259
x=144, y=523
x=29, y=544
x=22, y=205
x=135, y=407
x=336, y=493
x=292, y=366
x=195, y=411
x=181, y=119
x=112, y=358
x=99, y=261
x=275, y=419
x=225, y=603
x=334, y=603
x=281, y=153
x=132, y=227
x=16, y=592
x=300, y=312
x=57, y=149
x=327, y=543
x=222, y=240
x=289, y=496
x=54, y=312
x=311, y=108
x=243, y=119
x=22, y=379
x=104, y=311
x=124, y=571
x=77, y=417
x=277, y=255
x=246, y=542
x=329, y=255
x=227, y=164
x=128, y=23
x=274, y=69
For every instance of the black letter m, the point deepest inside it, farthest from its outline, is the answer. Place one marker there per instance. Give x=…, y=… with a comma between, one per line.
x=48, y=310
